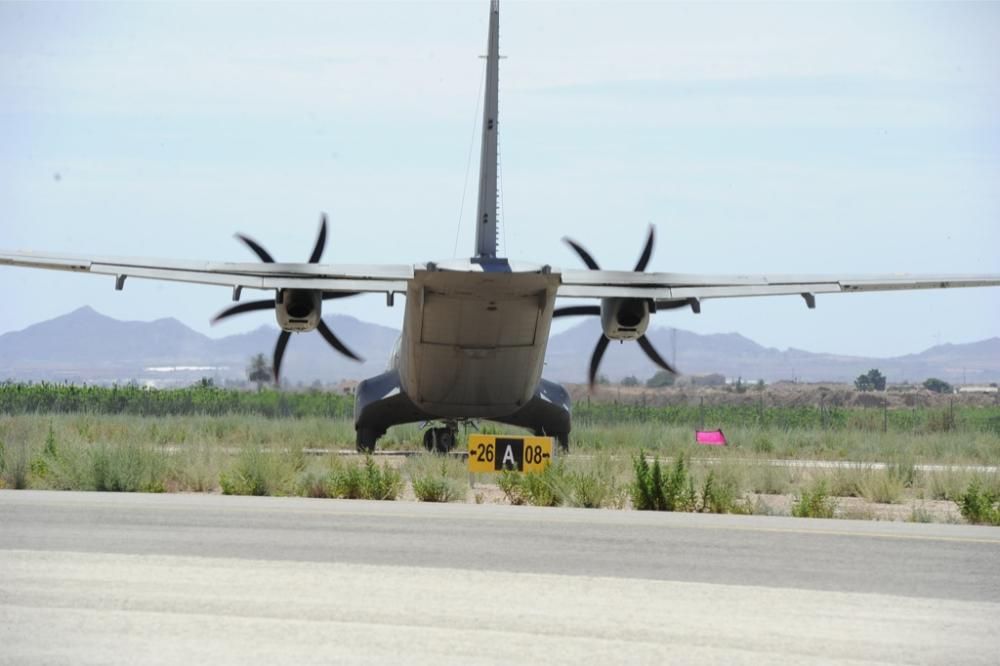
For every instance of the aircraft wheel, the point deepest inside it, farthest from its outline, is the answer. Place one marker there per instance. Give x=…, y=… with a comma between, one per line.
x=439, y=440
x=445, y=440
x=429, y=439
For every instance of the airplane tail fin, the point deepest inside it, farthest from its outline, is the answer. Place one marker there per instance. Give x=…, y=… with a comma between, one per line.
x=486, y=213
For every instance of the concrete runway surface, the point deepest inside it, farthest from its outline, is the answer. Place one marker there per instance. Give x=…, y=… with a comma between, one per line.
x=93, y=578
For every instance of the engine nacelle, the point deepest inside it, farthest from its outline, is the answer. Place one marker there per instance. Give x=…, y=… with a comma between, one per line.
x=624, y=318
x=298, y=310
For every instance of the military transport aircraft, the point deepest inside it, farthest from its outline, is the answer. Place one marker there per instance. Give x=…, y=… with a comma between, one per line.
x=475, y=330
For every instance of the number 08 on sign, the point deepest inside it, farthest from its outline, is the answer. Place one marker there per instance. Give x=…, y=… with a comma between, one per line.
x=493, y=453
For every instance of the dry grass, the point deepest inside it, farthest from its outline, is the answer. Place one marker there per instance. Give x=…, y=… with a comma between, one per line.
x=258, y=455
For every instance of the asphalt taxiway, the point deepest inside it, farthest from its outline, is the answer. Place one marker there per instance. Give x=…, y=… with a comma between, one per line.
x=116, y=578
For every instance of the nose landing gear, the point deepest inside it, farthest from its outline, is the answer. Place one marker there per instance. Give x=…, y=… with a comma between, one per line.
x=441, y=440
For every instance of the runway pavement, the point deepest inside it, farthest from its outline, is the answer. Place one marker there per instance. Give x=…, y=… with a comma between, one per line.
x=115, y=578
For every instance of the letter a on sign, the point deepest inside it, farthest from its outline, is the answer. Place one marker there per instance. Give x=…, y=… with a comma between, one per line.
x=509, y=454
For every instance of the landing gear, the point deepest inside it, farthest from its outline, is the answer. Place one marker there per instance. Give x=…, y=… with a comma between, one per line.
x=440, y=440
x=366, y=438
x=562, y=441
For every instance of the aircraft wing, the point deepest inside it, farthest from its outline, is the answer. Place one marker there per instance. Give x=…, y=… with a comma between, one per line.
x=664, y=288
x=676, y=288
x=386, y=278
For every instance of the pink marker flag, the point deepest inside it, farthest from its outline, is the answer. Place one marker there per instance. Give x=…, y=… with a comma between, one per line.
x=710, y=437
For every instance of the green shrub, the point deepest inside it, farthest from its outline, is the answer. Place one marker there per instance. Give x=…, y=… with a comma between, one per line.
x=720, y=494
x=642, y=485
x=547, y=488
x=510, y=483
x=126, y=468
x=594, y=484
x=256, y=472
x=347, y=482
x=381, y=483
x=437, y=489
x=364, y=481
x=437, y=478
x=652, y=491
x=814, y=503
x=980, y=506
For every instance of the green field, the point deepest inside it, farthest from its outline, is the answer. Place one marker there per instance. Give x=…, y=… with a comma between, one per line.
x=206, y=439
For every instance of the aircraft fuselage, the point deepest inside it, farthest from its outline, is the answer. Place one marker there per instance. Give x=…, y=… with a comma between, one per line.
x=473, y=341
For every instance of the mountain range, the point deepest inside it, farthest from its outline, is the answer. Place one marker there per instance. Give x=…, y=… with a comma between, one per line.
x=86, y=346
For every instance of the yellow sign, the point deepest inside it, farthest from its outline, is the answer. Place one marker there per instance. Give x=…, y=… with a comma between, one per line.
x=493, y=453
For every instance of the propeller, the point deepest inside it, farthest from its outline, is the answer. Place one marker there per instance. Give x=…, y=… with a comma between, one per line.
x=591, y=310
x=271, y=304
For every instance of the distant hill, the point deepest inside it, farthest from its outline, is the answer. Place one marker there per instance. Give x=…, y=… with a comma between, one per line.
x=733, y=355
x=86, y=346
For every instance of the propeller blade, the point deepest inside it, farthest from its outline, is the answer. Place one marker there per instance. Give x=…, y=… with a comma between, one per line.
x=240, y=308
x=320, y=241
x=647, y=252
x=279, y=352
x=263, y=254
x=595, y=360
x=330, y=295
x=654, y=355
x=577, y=310
x=335, y=342
x=587, y=259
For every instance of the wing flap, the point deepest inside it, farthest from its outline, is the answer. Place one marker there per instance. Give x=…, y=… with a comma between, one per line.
x=677, y=286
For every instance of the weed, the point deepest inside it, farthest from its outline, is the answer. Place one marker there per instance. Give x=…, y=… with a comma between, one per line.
x=256, y=472
x=17, y=465
x=347, y=482
x=814, y=502
x=762, y=444
x=126, y=468
x=312, y=483
x=652, y=491
x=437, y=478
x=980, y=506
x=882, y=486
x=510, y=483
x=546, y=488
x=919, y=514
x=364, y=481
x=595, y=485
x=549, y=487
x=768, y=479
x=720, y=494
x=380, y=483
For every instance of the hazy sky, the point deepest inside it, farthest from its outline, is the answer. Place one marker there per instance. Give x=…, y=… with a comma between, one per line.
x=842, y=138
